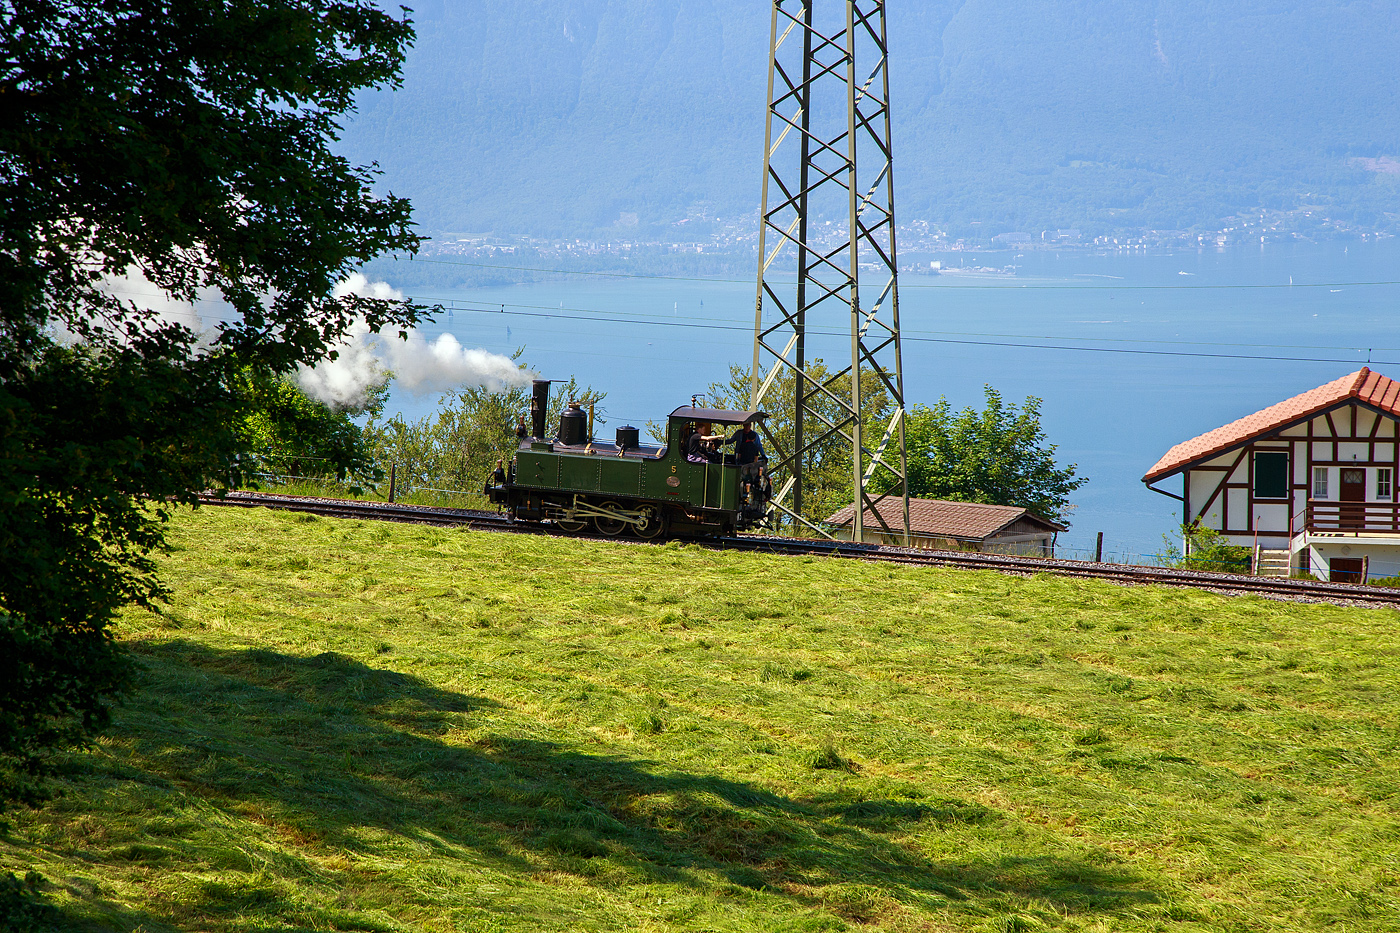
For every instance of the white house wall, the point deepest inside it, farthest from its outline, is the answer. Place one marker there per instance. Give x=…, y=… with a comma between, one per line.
x=1200, y=484
x=1384, y=559
x=1237, y=506
x=1272, y=515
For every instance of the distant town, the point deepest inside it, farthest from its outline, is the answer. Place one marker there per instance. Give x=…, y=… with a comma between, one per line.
x=731, y=239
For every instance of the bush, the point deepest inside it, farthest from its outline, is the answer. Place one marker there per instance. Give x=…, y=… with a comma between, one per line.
x=1206, y=549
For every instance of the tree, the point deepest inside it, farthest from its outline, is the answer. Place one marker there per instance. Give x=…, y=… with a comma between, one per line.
x=998, y=456
x=184, y=144
x=286, y=431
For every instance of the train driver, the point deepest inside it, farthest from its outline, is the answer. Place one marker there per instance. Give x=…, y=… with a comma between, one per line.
x=697, y=448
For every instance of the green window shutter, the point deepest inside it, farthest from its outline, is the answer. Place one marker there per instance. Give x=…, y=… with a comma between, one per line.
x=1271, y=475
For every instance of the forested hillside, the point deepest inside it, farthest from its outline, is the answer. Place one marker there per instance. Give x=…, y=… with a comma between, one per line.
x=569, y=116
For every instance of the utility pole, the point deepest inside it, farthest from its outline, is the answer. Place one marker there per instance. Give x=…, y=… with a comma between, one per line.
x=827, y=223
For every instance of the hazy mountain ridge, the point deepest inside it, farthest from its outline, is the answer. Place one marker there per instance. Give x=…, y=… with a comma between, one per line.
x=553, y=117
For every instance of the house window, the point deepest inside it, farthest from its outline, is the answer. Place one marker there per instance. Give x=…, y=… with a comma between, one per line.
x=1383, y=483
x=1271, y=475
x=1319, y=483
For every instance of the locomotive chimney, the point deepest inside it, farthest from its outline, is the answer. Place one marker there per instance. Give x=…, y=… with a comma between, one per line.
x=539, y=406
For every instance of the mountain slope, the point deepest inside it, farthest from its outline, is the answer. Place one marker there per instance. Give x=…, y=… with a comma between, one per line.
x=558, y=117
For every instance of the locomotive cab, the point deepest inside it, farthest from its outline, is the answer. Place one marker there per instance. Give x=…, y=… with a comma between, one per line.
x=723, y=482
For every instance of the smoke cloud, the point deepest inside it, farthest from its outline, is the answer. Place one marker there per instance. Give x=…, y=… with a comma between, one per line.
x=357, y=284
x=135, y=288
x=365, y=359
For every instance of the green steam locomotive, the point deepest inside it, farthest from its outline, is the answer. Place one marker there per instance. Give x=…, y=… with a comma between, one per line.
x=627, y=487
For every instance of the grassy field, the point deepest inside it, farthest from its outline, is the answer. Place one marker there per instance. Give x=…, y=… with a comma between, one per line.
x=357, y=726
x=437, y=498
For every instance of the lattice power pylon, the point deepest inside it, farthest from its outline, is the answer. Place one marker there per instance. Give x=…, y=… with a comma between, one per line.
x=827, y=225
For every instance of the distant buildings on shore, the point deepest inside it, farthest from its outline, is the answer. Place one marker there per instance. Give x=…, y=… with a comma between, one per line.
x=632, y=235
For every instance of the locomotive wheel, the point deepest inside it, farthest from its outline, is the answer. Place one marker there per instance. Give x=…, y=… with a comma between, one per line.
x=572, y=528
x=654, y=525
x=609, y=526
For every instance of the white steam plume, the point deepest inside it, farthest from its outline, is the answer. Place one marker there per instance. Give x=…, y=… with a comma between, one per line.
x=345, y=381
x=365, y=359
x=135, y=288
x=357, y=284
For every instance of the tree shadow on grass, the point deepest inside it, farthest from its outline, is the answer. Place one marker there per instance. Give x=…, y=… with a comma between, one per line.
x=339, y=757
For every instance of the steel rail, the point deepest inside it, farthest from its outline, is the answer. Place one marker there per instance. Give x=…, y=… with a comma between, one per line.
x=1124, y=573
x=1003, y=563
x=352, y=508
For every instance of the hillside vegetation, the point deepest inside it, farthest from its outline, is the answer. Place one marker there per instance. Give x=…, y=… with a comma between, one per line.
x=571, y=117
x=354, y=726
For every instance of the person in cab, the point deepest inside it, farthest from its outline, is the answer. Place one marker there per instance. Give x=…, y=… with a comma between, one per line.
x=747, y=446
x=697, y=447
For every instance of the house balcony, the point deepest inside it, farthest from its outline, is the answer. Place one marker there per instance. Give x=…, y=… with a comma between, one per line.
x=1351, y=522
x=1349, y=518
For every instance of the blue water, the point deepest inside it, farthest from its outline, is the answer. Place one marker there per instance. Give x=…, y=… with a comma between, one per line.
x=1110, y=413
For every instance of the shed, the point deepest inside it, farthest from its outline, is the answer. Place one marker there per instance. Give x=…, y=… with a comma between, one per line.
x=939, y=524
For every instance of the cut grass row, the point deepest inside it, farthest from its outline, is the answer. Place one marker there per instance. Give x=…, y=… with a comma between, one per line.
x=332, y=489
x=357, y=726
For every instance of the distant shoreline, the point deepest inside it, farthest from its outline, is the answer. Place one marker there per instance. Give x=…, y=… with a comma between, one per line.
x=448, y=264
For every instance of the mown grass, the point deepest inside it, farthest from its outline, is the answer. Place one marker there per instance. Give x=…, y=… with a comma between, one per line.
x=358, y=726
x=334, y=489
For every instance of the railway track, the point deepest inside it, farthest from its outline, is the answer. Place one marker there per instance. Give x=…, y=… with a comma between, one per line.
x=1300, y=590
x=1122, y=573
x=377, y=511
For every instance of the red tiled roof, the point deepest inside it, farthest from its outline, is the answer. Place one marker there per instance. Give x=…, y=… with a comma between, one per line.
x=939, y=517
x=1363, y=385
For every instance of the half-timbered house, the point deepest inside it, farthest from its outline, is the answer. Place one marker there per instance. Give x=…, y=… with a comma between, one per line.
x=1308, y=483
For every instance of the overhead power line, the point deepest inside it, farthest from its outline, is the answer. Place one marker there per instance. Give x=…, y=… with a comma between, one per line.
x=704, y=325
x=948, y=337
x=586, y=314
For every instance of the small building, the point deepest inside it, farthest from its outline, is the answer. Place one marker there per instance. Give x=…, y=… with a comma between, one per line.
x=938, y=524
x=1310, y=480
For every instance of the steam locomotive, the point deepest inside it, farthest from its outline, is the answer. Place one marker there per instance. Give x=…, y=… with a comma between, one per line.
x=626, y=486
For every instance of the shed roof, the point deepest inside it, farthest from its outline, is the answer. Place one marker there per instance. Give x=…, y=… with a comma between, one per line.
x=722, y=415
x=1363, y=385
x=942, y=518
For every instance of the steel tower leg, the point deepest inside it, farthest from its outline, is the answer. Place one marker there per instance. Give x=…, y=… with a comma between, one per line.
x=828, y=204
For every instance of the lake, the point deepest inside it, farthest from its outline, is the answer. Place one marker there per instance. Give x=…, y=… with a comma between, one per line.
x=1131, y=352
